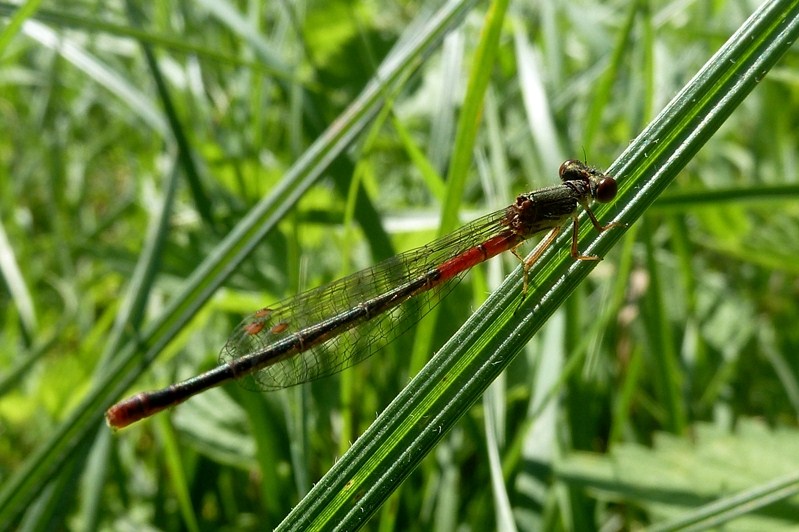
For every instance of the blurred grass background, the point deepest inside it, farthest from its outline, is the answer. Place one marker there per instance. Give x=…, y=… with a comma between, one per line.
x=149, y=131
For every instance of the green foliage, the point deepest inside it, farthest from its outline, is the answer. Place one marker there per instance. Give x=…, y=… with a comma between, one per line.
x=676, y=476
x=169, y=167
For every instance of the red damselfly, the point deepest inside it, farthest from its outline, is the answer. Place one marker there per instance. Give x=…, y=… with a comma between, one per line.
x=324, y=330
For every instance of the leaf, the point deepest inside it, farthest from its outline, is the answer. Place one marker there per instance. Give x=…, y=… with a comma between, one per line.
x=679, y=474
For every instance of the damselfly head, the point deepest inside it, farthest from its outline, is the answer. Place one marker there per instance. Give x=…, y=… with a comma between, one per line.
x=603, y=187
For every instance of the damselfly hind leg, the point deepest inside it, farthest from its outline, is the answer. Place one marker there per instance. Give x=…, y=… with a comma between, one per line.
x=537, y=252
x=550, y=238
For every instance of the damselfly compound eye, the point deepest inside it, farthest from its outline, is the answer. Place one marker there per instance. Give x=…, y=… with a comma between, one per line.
x=568, y=167
x=606, y=190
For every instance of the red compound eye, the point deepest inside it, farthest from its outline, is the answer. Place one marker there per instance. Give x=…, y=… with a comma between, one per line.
x=567, y=167
x=606, y=190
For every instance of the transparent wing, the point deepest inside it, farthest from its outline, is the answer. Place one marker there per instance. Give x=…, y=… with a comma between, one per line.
x=316, y=307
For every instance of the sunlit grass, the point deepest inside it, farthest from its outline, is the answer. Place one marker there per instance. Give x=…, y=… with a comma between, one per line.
x=687, y=327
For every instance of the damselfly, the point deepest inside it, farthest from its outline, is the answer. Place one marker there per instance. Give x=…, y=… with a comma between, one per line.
x=324, y=330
